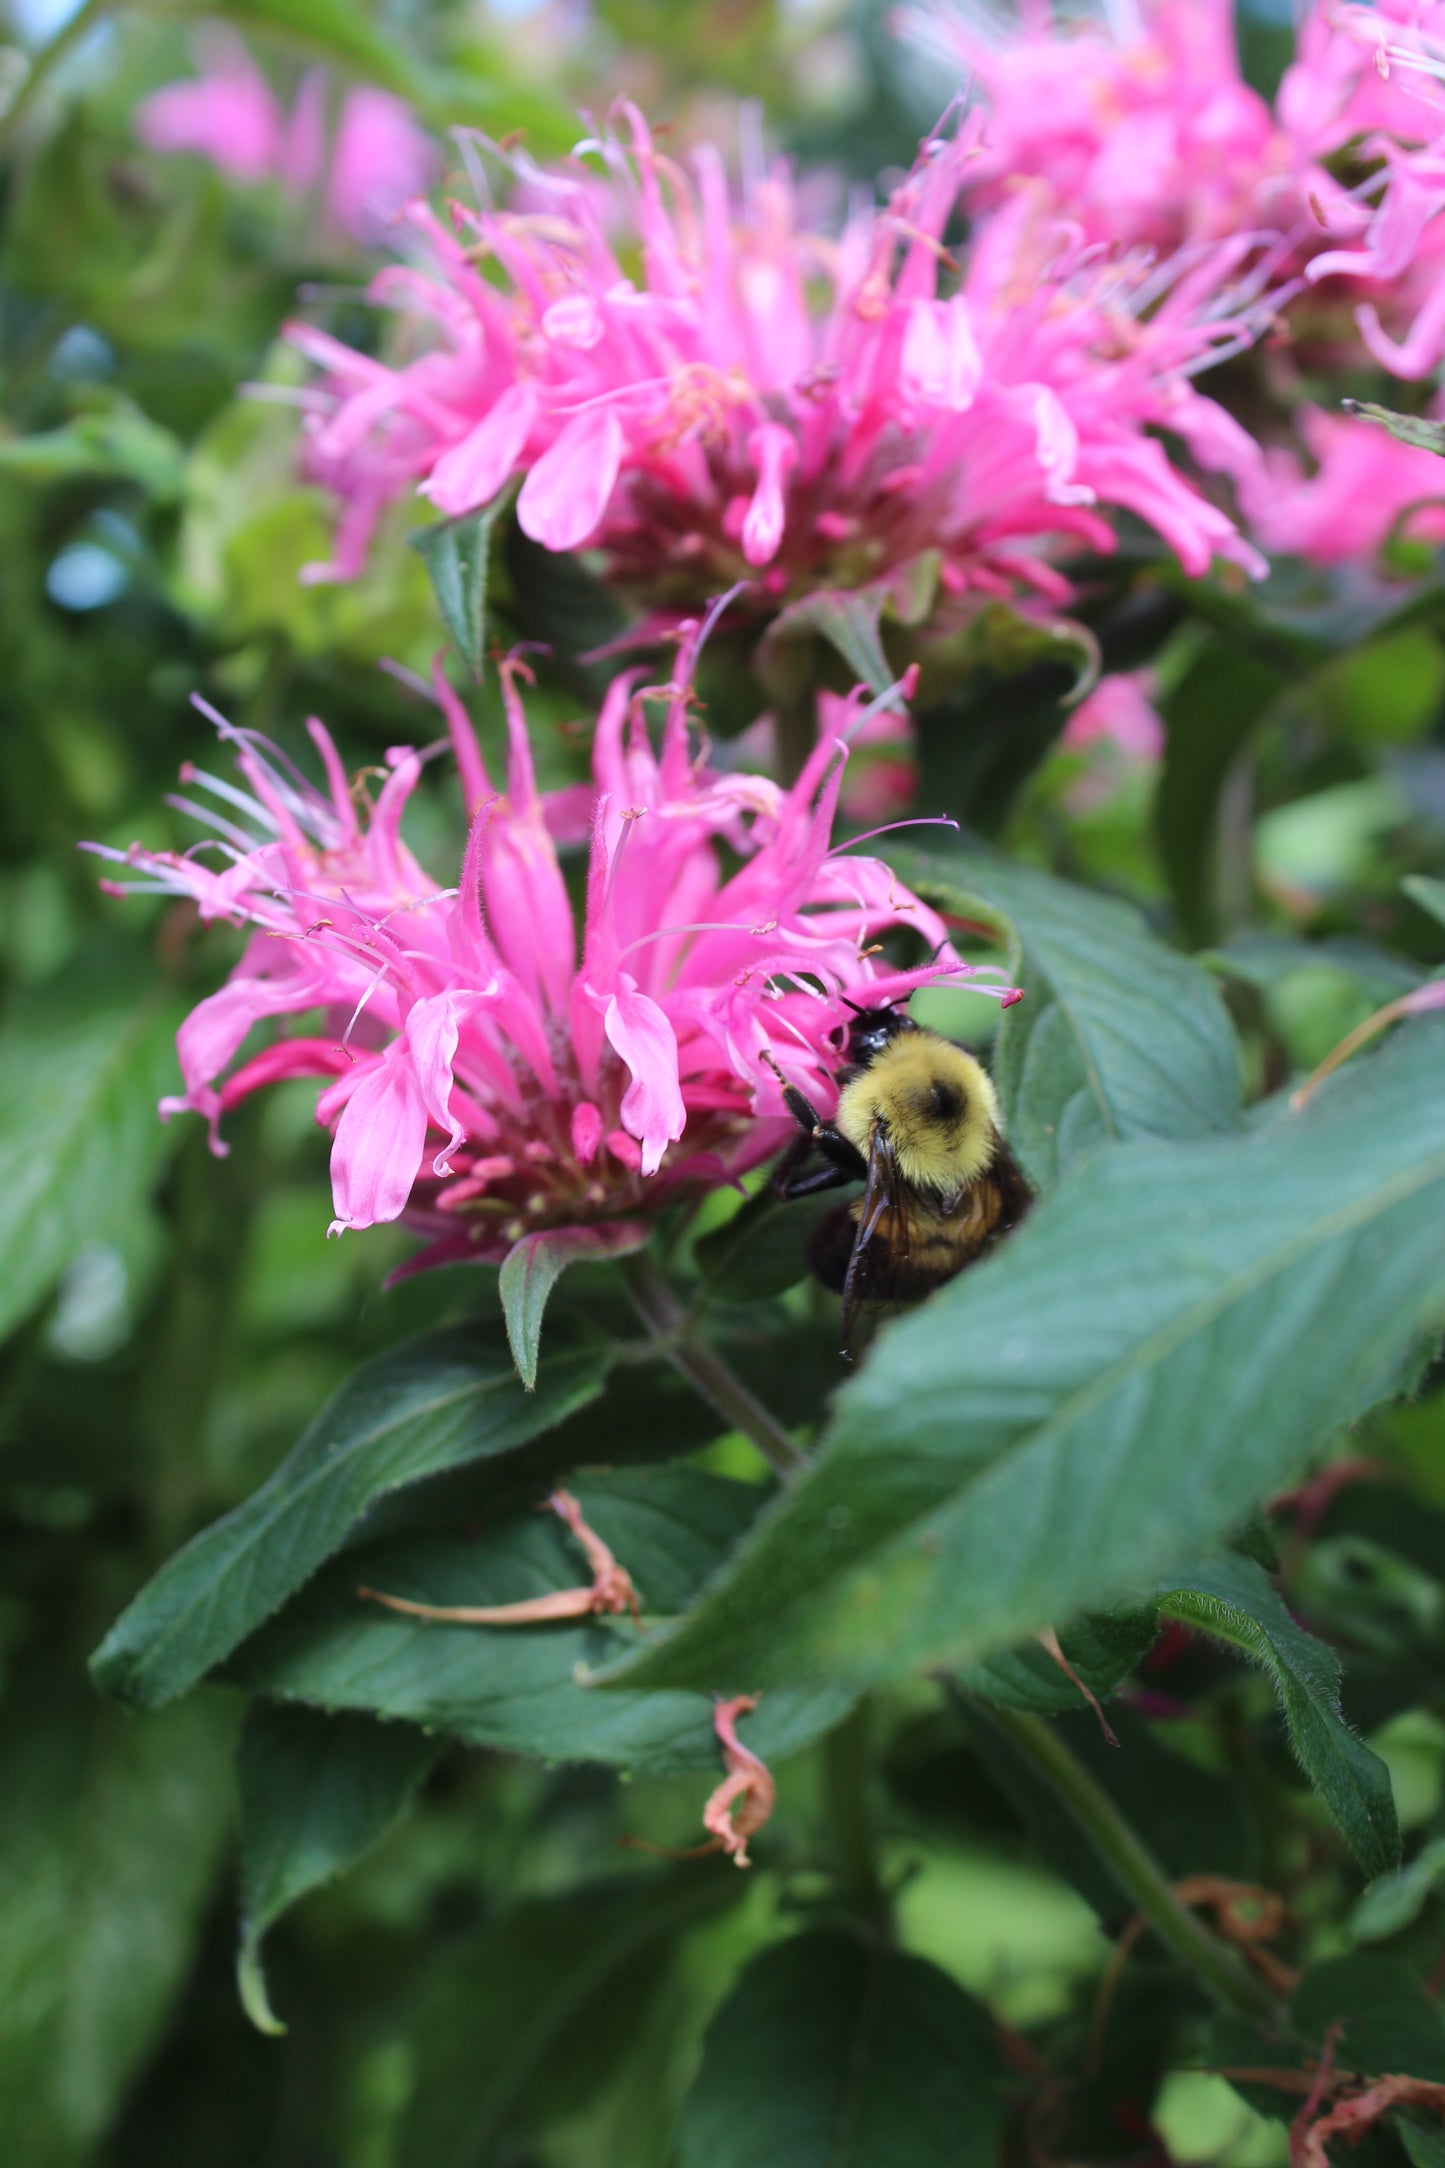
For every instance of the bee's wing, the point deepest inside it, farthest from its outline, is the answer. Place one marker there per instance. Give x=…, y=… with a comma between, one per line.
x=882, y=1192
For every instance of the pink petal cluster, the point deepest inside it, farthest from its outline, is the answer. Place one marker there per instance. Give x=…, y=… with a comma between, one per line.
x=1143, y=128
x=490, y=1067
x=229, y=115
x=1364, y=486
x=704, y=389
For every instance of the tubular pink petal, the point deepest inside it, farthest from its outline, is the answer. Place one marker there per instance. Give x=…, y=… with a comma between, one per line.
x=774, y=454
x=476, y=785
x=586, y=1132
x=566, y=493
x=377, y=1151
x=472, y=472
x=431, y=1036
x=652, y=1107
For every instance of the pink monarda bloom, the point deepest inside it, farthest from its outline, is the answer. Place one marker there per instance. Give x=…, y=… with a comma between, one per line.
x=490, y=1068
x=229, y=115
x=1138, y=120
x=751, y=399
x=1365, y=487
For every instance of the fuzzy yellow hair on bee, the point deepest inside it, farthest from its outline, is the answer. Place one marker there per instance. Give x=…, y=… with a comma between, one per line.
x=918, y=1124
x=938, y=1106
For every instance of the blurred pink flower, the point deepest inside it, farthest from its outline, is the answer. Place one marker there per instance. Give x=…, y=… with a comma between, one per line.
x=229, y=115
x=488, y=1074
x=1364, y=481
x=1140, y=123
x=1119, y=710
x=770, y=402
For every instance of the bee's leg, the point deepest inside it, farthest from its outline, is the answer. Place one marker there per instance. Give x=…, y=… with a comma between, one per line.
x=789, y=1185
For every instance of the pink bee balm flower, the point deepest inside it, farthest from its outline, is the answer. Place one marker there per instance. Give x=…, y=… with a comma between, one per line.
x=724, y=394
x=1365, y=484
x=230, y=116
x=1139, y=122
x=490, y=1067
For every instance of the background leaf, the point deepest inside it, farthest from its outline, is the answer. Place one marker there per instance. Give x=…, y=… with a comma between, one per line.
x=1211, y=714
x=1232, y=1600
x=316, y=1792
x=832, y=2054
x=519, y=1688
x=1117, y=1037
x=1036, y=1440
x=110, y=1837
x=436, y=1403
x=79, y=1140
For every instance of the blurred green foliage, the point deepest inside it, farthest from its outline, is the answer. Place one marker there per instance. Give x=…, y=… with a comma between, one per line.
x=476, y=1968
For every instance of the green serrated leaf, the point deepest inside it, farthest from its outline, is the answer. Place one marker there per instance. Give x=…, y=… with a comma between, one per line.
x=1232, y=1600
x=1117, y=1037
x=532, y=1268
x=831, y=2052
x=518, y=1688
x=80, y=1143
x=436, y=1403
x=316, y=1792
x=528, y=2018
x=1425, y=435
x=1210, y=715
x=455, y=553
x=1039, y=1439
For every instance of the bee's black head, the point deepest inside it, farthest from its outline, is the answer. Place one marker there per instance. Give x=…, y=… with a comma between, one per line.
x=873, y=1029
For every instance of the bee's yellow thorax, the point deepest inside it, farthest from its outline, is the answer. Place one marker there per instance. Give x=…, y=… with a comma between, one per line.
x=938, y=1106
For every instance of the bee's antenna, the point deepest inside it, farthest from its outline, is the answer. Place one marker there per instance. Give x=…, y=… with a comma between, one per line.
x=853, y=1005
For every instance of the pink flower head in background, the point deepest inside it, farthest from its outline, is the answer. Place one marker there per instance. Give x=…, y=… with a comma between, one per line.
x=1139, y=122
x=1364, y=484
x=230, y=116
x=490, y=1067
x=763, y=400
x=1119, y=711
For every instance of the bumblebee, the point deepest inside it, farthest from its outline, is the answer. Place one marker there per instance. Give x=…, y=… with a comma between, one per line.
x=918, y=1125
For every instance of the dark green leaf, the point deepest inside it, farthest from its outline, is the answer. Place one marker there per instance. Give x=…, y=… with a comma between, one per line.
x=455, y=553
x=80, y=1142
x=1425, y=435
x=1117, y=1037
x=316, y=1792
x=520, y=2025
x=110, y=1837
x=1103, y=1650
x=1162, y=1345
x=532, y=1268
x=763, y=1249
x=1389, y=2022
x=435, y=1403
x=517, y=1687
x=830, y=2053
x=1211, y=713
x=1233, y=1600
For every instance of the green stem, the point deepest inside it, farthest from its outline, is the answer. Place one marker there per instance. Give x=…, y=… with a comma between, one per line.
x=847, y=1766
x=703, y=1367
x=1211, y=1960
x=48, y=59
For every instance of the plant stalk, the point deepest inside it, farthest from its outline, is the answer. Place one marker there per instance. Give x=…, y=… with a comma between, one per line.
x=847, y=1765
x=48, y=59
x=1214, y=1964
x=703, y=1367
